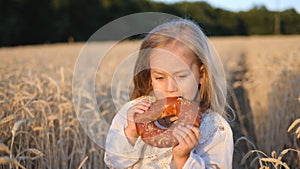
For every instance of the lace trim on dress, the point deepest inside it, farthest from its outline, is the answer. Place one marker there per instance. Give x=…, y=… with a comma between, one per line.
x=209, y=125
x=155, y=158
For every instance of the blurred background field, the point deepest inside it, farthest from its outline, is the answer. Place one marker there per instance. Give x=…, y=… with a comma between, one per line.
x=40, y=129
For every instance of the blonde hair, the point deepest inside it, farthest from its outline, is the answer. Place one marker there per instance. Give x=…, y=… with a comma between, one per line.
x=213, y=90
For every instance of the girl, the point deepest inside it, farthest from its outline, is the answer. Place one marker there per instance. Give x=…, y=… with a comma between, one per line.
x=175, y=60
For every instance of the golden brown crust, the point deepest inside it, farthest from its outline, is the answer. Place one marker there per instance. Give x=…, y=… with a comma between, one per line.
x=157, y=124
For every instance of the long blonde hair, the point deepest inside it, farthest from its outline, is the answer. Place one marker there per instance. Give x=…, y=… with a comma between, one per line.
x=213, y=90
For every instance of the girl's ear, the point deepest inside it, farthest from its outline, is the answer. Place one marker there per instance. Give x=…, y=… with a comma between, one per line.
x=202, y=74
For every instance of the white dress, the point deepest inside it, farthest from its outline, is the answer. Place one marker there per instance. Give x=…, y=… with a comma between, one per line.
x=214, y=150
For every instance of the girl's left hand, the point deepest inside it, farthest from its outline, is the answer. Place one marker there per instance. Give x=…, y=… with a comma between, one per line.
x=188, y=137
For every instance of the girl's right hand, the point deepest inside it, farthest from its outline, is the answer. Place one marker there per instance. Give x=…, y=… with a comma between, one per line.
x=139, y=107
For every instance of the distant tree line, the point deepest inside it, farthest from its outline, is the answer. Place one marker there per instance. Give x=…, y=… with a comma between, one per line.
x=48, y=21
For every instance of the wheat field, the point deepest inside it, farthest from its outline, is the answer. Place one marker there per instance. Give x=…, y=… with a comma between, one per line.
x=40, y=129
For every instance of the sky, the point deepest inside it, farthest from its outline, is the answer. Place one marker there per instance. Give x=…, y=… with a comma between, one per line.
x=244, y=5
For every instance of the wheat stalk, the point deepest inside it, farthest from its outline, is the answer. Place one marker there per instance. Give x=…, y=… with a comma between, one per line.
x=32, y=151
x=293, y=125
x=275, y=162
x=7, y=119
x=4, y=148
x=249, y=153
x=82, y=162
x=13, y=132
x=7, y=160
x=62, y=79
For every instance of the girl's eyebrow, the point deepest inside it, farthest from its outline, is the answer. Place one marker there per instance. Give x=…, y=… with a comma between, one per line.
x=176, y=72
x=182, y=71
x=157, y=72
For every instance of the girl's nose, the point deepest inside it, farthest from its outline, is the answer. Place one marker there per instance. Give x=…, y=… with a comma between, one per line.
x=172, y=85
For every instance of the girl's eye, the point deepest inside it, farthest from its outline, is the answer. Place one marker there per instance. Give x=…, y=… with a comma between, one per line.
x=159, y=78
x=181, y=76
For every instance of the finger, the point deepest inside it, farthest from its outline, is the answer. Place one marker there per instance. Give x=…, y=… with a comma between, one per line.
x=185, y=142
x=193, y=134
x=147, y=104
x=132, y=112
x=137, y=109
x=145, y=101
x=178, y=137
x=142, y=101
x=142, y=105
x=180, y=133
x=187, y=134
x=195, y=130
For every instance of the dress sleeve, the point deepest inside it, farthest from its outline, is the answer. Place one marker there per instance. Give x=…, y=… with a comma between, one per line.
x=119, y=153
x=216, y=150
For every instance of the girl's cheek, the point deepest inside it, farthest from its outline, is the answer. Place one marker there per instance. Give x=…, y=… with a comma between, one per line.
x=158, y=93
x=189, y=89
x=156, y=85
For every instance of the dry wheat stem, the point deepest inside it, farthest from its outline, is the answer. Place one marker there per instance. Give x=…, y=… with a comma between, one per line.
x=7, y=160
x=32, y=151
x=7, y=119
x=249, y=153
x=274, y=162
x=4, y=148
x=83, y=161
x=13, y=131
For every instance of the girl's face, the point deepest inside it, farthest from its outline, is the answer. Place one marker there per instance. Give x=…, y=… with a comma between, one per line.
x=174, y=72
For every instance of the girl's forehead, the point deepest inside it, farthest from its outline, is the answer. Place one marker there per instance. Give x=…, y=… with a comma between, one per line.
x=171, y=58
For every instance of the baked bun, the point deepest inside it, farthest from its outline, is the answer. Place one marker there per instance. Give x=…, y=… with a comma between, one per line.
x=156, y=125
